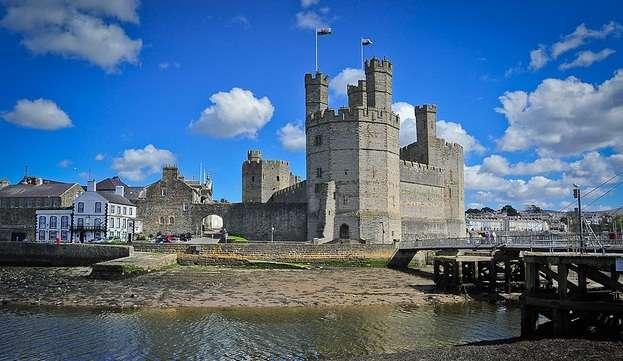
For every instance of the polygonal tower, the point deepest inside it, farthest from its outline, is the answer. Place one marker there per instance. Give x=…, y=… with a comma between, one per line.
x=353, y=171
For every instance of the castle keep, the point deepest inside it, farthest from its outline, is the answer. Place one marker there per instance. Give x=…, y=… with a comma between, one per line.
x=360, y=183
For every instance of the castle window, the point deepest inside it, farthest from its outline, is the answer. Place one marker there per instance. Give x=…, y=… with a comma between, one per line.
x=161, y=220
x=318, y=140
x=319, y=172
x=163, y=192
x=185, y=206
x=317, y=188
x=252, y=178
x=277, y=178
x=171, y=220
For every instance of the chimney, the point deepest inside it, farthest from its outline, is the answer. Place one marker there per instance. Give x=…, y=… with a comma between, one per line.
x=4, y=183
x=119, y=190
x=91, y=186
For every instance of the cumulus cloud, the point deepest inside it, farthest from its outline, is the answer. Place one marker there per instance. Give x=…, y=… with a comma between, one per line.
x=234, y=113
x=99, y=157
x=136, y=164
x=489, y=182
x=538, y=58
x=292, y=136
x=242, y=21
x=168, y=65
x=312, y=19
x=450, y=131
x=580, y=36
x=499, y=165
x=38, y=114
x=338, y=84
x=82, y=29
x=587, y=58
x=564, y=117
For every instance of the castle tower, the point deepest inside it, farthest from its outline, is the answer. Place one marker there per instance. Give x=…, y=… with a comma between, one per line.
x=316, y=92
x=379, y=83
x=262, y=178
x=426, y=119
x=353, y=175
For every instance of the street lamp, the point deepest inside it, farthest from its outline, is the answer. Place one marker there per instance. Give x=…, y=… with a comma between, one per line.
x=578, y=195
x=272, y=234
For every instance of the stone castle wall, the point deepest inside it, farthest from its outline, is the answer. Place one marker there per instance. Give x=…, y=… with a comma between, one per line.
x=254, y=220
x=262, y=178
x=296, y=193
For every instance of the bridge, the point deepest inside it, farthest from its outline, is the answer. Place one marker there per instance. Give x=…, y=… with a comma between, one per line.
x=535, y=243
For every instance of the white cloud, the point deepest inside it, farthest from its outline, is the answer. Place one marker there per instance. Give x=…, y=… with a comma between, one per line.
x=587, y=58
x=76, y=29
x=99, y=157
x=65, y=163
x=538, y=58
x=292, y=136
x=136, y=164
x=234, y=113
x=308, y=3
x=311, y=20
x=450, y=131
x=454, y=132
x=564, y=117
x=242, y=21
x=338, y=84
x=581, y=34
x=38, y=114
x=498, y=165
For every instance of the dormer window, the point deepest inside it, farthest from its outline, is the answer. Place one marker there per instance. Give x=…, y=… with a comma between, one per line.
x=80, y=207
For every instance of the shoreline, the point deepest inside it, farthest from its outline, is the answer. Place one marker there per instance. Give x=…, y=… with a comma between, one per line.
x=218, y=288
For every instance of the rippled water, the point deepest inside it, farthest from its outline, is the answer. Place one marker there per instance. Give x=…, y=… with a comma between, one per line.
x=245, y=334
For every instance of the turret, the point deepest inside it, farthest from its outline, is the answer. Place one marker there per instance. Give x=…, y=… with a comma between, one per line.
x=170, y=173
x=357, y=96
x=379, y=83
x=316, y=92
x=254, y=155
x=425, y=119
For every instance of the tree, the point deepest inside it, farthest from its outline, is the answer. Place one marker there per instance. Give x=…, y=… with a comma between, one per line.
x=487, y=210
x=534, y=209
x=509, y=210
x=473, y=211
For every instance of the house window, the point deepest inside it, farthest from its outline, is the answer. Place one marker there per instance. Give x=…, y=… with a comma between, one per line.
x=185, y=206
x=80, y=207
x=64, y=222
x=163, y=192
x=53, y=235
x=319, y=172
x=318, y=140
x=42, y=222
x=125, y=225
x=53, y=222
x=171, y=220
x=161, y=220
x=112, y=209
x=130, y=210
x=97, y=222
x=98, y=236
x=42, y=235
x=98, y=207
x=118, y=209
x=80, y=222
x=125, y=210
x=63, y=235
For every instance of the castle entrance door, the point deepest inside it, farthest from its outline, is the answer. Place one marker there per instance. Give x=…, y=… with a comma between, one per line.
x=344, y=231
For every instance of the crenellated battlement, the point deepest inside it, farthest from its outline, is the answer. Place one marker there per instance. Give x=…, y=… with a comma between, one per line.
x=413, y=172
x=426, y=108
x=316, y=78
x=421, y=167
x=265, y=162
x=353, y=115
x=378, y=65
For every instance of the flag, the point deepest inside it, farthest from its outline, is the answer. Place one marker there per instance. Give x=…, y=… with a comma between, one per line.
x=324, y=31
x=366, y=41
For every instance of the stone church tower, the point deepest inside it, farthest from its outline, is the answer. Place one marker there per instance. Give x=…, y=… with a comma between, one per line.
x=353, y=175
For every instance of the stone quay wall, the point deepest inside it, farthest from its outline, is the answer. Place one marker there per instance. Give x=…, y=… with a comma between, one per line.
x=66, y=254
x=286, y=252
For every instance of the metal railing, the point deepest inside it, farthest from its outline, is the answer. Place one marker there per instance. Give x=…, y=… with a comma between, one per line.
x=545, y=242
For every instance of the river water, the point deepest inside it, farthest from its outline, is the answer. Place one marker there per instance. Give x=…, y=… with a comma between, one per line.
x=245, y=334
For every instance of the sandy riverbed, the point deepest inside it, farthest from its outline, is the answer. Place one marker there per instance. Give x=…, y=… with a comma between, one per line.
x=218, y=287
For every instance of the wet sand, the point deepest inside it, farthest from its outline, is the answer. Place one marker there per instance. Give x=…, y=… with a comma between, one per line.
x=192, y=286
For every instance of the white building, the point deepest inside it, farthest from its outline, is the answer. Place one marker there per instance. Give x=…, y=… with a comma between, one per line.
x=503, y=223
x=103, y=215
x=53, y=224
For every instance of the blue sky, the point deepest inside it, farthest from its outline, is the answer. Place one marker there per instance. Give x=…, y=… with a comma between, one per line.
x=122, y=87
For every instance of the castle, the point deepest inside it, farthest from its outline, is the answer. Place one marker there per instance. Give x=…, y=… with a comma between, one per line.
x=360, y=184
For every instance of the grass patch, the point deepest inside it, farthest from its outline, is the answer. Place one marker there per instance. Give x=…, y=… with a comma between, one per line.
x=276, y=265
x=372, y=263
x=116, y=241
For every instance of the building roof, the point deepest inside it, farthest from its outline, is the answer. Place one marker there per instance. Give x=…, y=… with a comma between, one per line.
x=49, y=189
x=110, y=184
x=112, y=197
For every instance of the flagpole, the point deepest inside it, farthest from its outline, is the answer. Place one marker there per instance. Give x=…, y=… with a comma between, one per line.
x=316, y=32
x=361, y=45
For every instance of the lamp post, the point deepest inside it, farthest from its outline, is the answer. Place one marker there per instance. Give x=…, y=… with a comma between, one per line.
x=578, y=195
x=272, y=234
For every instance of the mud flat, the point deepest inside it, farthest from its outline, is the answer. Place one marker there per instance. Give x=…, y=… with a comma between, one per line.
x=212, y=286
